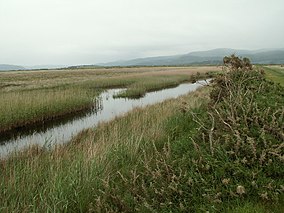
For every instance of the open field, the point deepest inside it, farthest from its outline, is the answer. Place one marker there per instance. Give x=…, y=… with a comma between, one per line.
x=183, y=155
x=97, y=77
x=275, y=73
x=32, y=96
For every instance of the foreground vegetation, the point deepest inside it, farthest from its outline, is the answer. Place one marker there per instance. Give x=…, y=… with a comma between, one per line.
x=34, y=96
x=217, y=149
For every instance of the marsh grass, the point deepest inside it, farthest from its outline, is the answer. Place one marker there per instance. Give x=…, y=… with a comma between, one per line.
x=218, y=149
x=149, y=84
x=20, y=108
x=33, y=96
x=227, y=157
x=177, y=156
x=99, y=77
x=78, y=177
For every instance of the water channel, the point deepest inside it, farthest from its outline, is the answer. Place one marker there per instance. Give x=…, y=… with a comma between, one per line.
x=105, y=108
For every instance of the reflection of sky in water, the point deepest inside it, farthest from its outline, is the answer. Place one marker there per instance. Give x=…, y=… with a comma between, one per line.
x=110, y=108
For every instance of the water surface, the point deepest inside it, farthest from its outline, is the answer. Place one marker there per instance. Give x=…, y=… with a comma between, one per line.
x=105, y=109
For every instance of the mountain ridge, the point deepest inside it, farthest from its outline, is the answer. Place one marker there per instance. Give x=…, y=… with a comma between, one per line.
x=208, y=57
x=4, y=67
x=214, y=56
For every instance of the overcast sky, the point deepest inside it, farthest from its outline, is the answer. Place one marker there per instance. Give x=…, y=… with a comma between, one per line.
x=69, y=32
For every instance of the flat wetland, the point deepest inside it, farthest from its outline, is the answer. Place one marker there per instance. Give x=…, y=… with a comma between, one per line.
x=99, y=77
x=34, y=96
x=217, y=149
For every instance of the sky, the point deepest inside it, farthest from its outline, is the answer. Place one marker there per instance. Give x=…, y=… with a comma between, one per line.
x=70, y=32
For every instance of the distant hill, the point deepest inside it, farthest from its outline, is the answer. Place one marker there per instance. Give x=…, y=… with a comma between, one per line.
x=210, y=57
x=10, y=67
x=48, y=66
x=82, y=67
x=264, y=56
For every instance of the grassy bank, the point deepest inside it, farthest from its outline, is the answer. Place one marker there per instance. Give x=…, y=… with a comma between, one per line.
x=275, y=73
x=33, y=96
x=21, y=108
x=71, y=178
x=217, y=149
x=148, y=84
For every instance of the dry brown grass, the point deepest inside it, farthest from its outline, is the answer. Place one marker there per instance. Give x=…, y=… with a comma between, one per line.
x=19, y=80
x=141, y=124
x=24, y=93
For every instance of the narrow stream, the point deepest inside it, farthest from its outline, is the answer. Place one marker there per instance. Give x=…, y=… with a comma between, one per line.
x=107, y=108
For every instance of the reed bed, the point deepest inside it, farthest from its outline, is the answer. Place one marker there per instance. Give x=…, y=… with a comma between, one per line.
x=205, y=151
x=20, y=108
x=101, y=77
x=70, y=178
x=33, y=96
x=148, y=84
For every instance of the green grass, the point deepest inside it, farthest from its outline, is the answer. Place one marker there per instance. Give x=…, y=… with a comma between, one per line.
x=275, y=74
x=23, y=107
x=20, y=108
x=34, y=96
x=249, y=207
x=218, y=149
x=148, y=84
x=75, y=178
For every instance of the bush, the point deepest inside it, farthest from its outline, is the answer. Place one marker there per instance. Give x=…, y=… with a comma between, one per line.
x=234, y=63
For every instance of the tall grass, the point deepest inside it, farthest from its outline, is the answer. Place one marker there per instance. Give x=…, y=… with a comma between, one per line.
x=148, y=84
x=24, y=107
x=29, y=97
x=99, y=77
x=73, y=178
x=178, y=156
